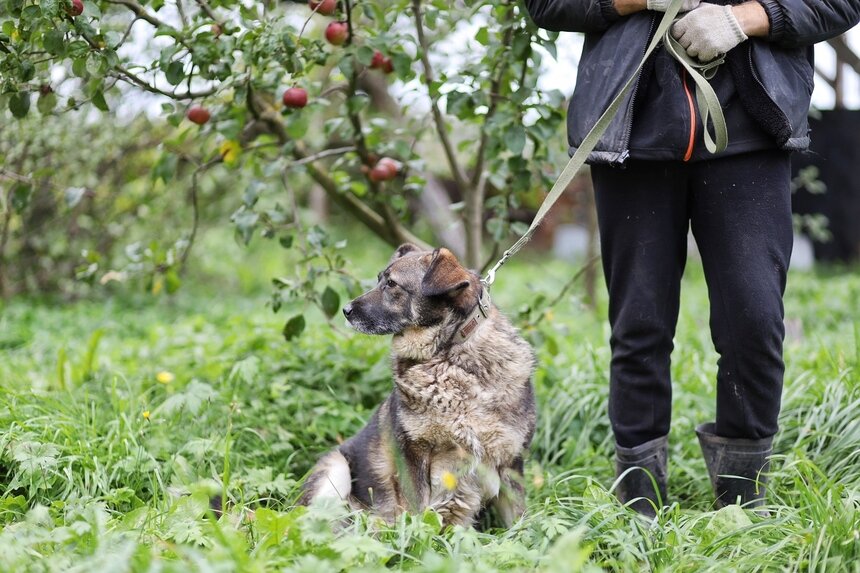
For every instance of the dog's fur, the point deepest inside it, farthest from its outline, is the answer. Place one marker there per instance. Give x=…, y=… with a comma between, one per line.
x=453, y=433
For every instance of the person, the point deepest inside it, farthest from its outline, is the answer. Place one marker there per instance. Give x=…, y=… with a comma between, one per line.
x=654, y=179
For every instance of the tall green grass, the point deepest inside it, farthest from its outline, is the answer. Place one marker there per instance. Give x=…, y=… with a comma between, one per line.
x=107, y=466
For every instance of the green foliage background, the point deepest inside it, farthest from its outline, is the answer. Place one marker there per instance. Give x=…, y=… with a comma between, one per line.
x=89, y=483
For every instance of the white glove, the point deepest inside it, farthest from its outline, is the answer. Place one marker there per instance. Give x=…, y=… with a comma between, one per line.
x=663, y=5
x=708, y=31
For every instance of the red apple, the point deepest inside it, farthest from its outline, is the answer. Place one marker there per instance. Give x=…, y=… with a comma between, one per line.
x=326, y=7
x=385, y=170
x=76, y=9
x=337, y=33
x=381, y=62
x=198, y=114
x=296, y=97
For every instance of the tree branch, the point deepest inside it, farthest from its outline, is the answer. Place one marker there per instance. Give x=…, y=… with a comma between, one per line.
x=182, y=17
x=346, y=201
x=495, y=96
x=208, y=11
x=325, y=153
x=195, y=209
x=141, y=13
x=563, y=292
x=132, y=78
x=441, y=127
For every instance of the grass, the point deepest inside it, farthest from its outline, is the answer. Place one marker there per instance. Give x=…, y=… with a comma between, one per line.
x=105, y=465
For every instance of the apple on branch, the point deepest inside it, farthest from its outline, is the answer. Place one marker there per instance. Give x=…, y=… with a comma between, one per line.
x=385, y=169
x=76, y=9
x=337, y=33
x=295, y=97
x=198, y=114
x=325, y=7
x=381, y=62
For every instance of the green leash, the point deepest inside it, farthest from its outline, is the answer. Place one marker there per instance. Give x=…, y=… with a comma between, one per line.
x=709, y=108
x=708, y=104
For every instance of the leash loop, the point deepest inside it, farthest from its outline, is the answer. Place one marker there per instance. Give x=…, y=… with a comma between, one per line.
x=706, y=98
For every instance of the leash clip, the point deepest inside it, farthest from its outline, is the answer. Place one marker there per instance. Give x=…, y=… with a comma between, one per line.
x=491, y=274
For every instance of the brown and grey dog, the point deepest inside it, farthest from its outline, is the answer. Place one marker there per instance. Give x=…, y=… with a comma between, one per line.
x=453, y=433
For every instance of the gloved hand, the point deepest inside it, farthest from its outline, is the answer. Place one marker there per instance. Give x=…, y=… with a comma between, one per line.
x=708, y=31
x=663, y=5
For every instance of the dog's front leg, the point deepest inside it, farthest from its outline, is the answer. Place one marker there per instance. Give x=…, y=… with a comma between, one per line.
x=460, y=506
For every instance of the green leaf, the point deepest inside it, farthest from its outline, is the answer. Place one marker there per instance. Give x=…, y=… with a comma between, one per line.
x=330, y=302
x=171, y=281
x=483, y=36
x=46, y=103
x=294, y=327
x=50, y=8
x=297, y=125
x=175, y=73
x=99, y=101
x=54, y=43
x=286, y=241
x=165, y=167
x=27, y=71
x=365, y=55
x=515, y=136
x=79, y=67
x=19, y=104
x=95, y=65
x=21, y=194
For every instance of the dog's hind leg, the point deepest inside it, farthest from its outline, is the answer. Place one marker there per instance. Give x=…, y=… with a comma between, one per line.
x=510, y=504
x=329, y=478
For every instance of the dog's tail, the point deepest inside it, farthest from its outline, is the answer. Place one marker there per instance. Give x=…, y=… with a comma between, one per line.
x=330, y=478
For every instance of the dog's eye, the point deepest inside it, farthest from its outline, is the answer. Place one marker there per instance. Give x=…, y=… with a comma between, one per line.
x=391, y=284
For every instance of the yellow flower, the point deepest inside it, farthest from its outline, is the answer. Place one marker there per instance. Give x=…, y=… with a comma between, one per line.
x=165, y=377
x=449, y=481
x=146, y=414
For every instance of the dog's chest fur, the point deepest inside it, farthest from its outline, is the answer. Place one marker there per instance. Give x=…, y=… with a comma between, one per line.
x=463, y=398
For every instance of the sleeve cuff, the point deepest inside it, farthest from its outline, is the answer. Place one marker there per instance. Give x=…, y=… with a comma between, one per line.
x=608, y=11
x=776, y=17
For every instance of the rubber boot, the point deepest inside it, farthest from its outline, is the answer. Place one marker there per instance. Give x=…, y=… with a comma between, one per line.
x=648, y=461
x=737, y=467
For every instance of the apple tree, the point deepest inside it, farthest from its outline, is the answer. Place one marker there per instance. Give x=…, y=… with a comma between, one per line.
x=371, y=101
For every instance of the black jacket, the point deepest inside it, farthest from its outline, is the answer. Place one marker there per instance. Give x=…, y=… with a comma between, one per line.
x=774, y=75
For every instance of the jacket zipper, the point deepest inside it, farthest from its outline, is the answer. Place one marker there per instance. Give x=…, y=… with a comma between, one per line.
x=689, y=153
x=625, y=153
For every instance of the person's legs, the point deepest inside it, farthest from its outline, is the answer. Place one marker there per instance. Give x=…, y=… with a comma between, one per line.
x=643, y=220
x=741, y=218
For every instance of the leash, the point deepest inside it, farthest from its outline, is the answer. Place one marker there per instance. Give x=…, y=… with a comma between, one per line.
x=706, y=98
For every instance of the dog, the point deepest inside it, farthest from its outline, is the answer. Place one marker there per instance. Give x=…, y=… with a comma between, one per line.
x=452, y=434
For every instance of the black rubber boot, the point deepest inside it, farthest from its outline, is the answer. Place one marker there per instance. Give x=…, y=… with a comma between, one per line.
x=649, y=463
x=737, y=467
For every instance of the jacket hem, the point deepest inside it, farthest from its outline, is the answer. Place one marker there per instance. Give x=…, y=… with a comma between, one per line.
x=615, y=157
x=797, y=144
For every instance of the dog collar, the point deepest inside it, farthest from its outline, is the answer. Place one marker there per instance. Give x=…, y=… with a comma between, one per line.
x=479, y=315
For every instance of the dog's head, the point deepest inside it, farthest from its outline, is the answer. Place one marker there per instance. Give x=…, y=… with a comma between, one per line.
x=417, y=289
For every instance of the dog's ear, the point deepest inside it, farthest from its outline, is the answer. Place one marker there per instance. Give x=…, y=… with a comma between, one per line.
x=403, y=249
x=445, y=276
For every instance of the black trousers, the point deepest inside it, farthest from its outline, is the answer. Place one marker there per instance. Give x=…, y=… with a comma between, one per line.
x=739, y=209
